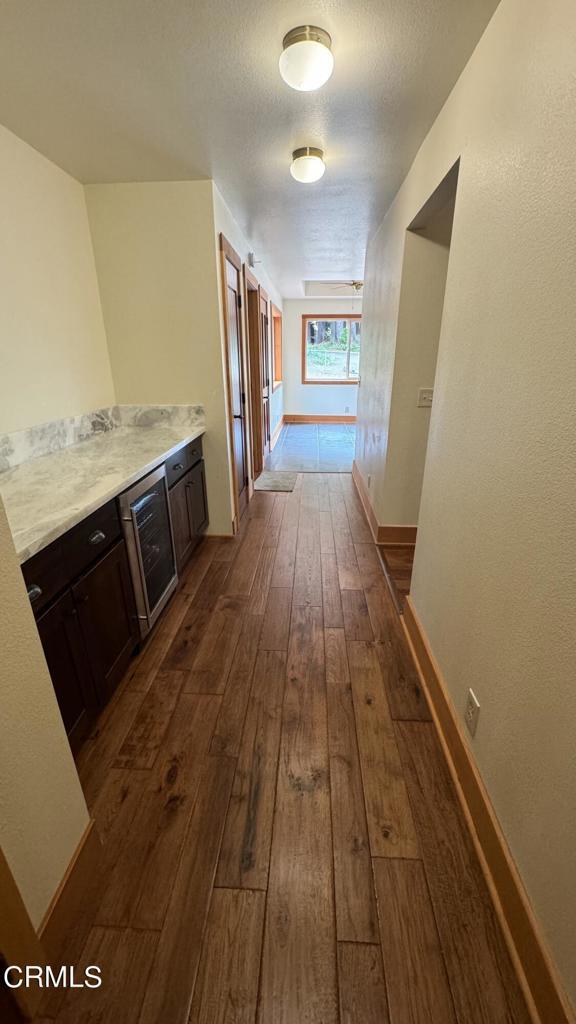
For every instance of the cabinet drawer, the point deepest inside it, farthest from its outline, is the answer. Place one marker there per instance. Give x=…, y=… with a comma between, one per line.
x=90, y=539
x=195, y=451
x=183, y=460
x=176, y=466
x=45, y=576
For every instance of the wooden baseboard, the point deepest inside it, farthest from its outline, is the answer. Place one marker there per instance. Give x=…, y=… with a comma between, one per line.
x=365, y=499
x=276, y=433
x=397, y=535
x=66, y=923
x=543, y=990
x=296, y=418
x=381, y=534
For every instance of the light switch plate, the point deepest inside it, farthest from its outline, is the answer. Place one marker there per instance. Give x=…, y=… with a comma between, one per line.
x=425, y=396
x=472, y=712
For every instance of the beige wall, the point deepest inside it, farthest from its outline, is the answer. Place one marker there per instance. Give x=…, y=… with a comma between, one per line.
x=494, y=581
x=53, y=356
x=42, y=810
x=157, y=267
x=310, y=399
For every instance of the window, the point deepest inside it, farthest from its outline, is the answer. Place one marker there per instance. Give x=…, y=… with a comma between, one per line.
x=331, y=349
x=276, y=346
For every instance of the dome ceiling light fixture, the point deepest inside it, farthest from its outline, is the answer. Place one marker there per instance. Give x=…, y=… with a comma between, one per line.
x=307, y=164
x=306, y=61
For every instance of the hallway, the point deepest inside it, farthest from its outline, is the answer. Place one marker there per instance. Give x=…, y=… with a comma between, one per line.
x=282, y=840
x=314, y=448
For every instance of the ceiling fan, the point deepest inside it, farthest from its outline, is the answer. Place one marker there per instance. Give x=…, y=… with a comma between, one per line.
x=357, y=286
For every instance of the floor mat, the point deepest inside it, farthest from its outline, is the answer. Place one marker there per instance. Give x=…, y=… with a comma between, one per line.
x=270, y=480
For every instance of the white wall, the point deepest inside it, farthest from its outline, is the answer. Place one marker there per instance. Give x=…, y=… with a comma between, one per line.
x=276, y=409
x=313, y=399
x=157, y=268
x=53, y=356
x=42, y=810
x=494, y=582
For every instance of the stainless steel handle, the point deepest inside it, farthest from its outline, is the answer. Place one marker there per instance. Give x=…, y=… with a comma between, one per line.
x=34, y=592
x=97, y=537
x=139, y=505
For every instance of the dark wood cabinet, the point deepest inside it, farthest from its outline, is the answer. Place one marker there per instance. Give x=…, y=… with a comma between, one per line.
x=65, y=653
x=81, y=592
x=189, y=506
x=182, y=522
x=197, y=502
x=105, y=601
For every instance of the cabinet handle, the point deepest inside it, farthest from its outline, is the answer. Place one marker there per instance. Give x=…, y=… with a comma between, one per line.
x=177, y=466
x=34, y=592
x=97, y=537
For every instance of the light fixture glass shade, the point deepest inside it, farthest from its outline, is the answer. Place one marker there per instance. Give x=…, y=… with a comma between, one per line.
x=307, y=164
x=306, y=61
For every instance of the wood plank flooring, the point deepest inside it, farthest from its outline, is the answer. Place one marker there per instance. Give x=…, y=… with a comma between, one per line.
x=282, y=843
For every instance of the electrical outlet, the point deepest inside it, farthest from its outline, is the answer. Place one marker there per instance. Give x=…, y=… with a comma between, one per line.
x=472, y=712
x=425, y=396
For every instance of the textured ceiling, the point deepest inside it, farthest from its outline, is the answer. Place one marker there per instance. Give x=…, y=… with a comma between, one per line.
x=142, y=90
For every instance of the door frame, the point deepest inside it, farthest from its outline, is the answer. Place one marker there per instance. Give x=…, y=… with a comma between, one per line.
x=252, y=295
x=227, y=252
x=265, y=344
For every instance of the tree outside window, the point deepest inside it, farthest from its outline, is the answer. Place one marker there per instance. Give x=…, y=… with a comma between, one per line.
x=331, y=349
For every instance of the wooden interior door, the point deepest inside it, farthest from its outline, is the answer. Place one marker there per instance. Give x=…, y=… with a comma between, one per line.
x=232, y=292
x=265, y=371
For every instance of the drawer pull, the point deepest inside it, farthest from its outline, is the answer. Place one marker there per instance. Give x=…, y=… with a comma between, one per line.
x=178, y=466
x=34, y=592
x=97, y=537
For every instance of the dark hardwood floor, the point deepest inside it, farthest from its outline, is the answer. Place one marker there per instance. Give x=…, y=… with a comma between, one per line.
x=282, y=842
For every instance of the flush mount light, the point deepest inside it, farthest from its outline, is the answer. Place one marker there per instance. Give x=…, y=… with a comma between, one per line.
x=307, y=164
x=306, y=61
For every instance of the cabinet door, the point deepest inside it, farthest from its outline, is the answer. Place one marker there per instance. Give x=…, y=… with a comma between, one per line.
x=197, y=503
x=67, y=662
x=107, y=611
x=182, y=526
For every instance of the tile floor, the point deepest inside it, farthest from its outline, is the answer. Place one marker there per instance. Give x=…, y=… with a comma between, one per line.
x=314, y=448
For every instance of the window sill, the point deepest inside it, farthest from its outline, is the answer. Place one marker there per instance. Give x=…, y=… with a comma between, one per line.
x=353, y=383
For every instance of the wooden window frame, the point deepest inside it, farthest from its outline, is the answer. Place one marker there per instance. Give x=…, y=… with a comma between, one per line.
x=276, y=314
x=324, y=316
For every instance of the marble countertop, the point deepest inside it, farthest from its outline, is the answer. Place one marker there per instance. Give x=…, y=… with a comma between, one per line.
x=49, y=495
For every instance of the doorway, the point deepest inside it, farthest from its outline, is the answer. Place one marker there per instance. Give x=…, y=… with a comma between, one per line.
x=234, y=343
x=422, y=292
